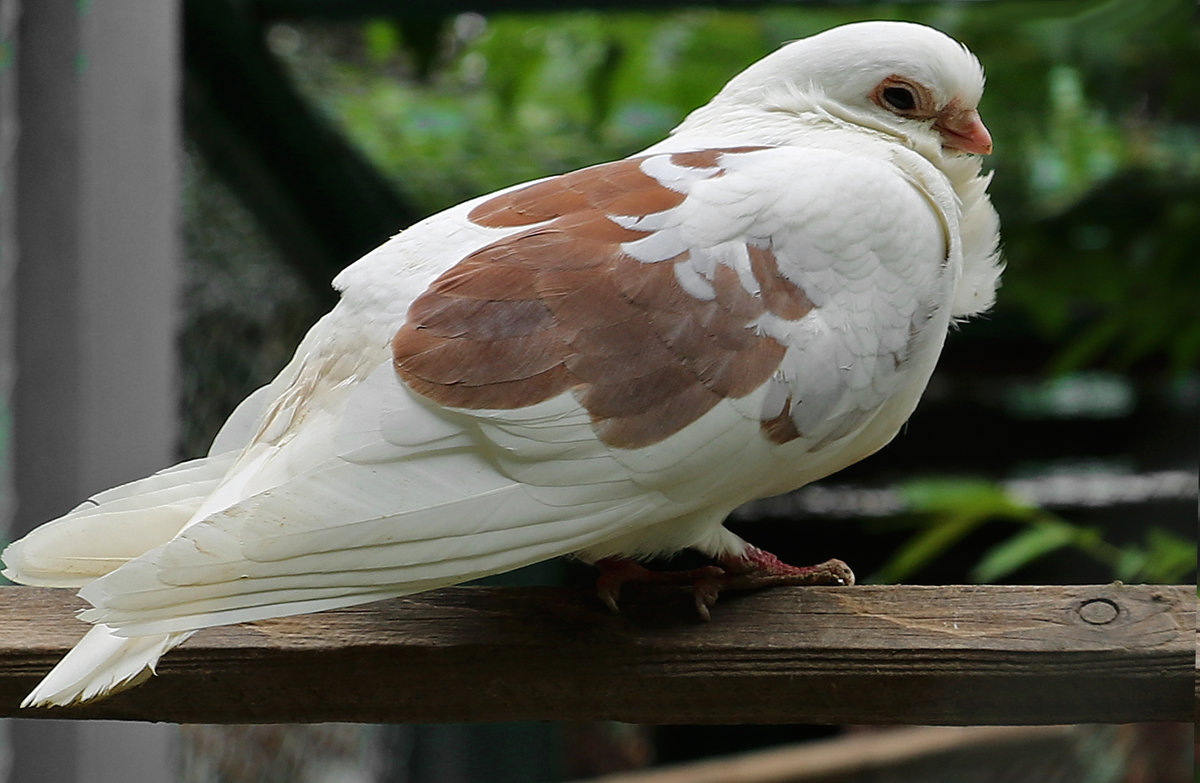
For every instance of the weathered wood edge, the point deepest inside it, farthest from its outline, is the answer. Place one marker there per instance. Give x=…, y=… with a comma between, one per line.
x=857, y=754
x=955, y=655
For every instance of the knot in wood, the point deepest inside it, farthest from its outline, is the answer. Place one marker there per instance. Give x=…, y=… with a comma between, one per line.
x=1099, y=611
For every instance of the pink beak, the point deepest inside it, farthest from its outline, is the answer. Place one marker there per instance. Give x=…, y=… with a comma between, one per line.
x=963, y=130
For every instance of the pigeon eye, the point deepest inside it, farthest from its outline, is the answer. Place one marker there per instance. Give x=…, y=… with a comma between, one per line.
x=900, y=98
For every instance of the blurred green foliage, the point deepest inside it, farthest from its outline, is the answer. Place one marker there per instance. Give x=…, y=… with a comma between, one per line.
x=1097, y=135
x=944, y=511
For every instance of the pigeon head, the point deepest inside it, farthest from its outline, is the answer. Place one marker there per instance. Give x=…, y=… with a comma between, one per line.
x=902, y=79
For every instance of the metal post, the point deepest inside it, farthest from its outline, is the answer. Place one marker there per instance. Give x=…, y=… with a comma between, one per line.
x=96, y=302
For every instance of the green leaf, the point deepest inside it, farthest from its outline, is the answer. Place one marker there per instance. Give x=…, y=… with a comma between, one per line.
x=960, y=496
x=1169, y=558
x=1130, y=563
x=1022, y=549
x=926, y=546
x=382, y=40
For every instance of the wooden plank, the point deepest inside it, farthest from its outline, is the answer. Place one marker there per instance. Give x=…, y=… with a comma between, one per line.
x=932, y=750
x=958, y=655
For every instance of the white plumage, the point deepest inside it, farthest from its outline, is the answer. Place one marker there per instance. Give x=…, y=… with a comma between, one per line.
x=603, y=363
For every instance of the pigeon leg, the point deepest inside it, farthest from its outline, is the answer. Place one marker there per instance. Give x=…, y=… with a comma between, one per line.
x=615, y=572
x=754, y=568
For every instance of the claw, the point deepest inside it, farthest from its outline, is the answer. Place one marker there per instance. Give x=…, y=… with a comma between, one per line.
x=609, y=591
x=751, y=570
x=758, y=568
x=609, y=597
x=706, y=587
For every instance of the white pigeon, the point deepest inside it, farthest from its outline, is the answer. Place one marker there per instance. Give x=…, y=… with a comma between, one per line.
x=601, y=364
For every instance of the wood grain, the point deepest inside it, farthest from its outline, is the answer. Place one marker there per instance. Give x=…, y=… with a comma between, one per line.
x=869, y=754
x=961, y=655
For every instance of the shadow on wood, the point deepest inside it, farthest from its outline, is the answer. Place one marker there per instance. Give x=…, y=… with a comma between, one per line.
x=962, y=655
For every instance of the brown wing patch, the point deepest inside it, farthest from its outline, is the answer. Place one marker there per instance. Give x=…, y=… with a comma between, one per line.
x=780, y=295
x=782, y=428
x=561, y=307
x=619, y=188
x=707, y=159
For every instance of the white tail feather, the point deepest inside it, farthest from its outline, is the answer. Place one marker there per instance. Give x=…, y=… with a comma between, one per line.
x=113, y=527
x=101, y=664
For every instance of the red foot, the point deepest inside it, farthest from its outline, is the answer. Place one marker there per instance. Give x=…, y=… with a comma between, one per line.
x=757, y=568
x=615, y=572
x=753, y=569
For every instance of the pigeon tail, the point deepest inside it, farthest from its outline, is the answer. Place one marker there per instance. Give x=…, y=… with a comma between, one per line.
x=101, y=664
